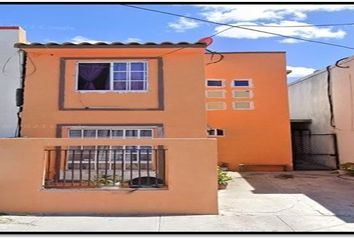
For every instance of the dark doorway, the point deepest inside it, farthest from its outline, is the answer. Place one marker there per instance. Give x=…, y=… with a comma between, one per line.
x=313, y=151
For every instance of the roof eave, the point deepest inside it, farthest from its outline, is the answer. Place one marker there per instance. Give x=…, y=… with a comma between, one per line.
x=112, y=45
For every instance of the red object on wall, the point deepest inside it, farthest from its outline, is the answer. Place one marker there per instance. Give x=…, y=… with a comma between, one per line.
x=206, y=40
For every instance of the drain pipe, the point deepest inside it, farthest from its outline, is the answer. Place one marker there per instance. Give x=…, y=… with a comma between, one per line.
x=329, y=90
x=329, y=95
x=20, y=91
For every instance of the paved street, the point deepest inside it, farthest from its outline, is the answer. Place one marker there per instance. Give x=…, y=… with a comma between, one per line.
x=291, y=201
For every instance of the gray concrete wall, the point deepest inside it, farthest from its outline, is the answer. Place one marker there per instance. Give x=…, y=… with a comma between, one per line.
x=10, y=79
x=308, y=99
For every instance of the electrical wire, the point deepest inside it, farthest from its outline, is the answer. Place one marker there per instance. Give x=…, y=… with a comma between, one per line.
x=235, y=26
x=212, y=55
x=210, y=51
x=224, y=30
x=339, y=61
x=5, y=64
x=299, y=26
x=34, y=66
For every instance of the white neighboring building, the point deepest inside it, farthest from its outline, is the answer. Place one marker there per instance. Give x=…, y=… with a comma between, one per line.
x=10, y=78
x=326, y=97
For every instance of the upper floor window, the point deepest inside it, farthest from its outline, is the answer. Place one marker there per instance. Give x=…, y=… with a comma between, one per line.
x=93, y=76
x=215, y=83
x=241, y=83
x=215, y=132
x=113, y=76
x=242, y=93
x=130, y=76
x=215, y=93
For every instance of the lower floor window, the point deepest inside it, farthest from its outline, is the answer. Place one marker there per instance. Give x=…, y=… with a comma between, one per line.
x=214, y=132
x=108, y=157
x=111, y=133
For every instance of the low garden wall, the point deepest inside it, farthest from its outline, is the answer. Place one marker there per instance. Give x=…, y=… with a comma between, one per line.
x=190, y=176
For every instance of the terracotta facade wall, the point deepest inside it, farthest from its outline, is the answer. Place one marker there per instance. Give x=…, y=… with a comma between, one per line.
x=182, y=83
x=260, y=135
x=190, y=170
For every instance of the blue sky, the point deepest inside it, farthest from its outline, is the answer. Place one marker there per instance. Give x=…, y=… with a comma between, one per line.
x=60, y=23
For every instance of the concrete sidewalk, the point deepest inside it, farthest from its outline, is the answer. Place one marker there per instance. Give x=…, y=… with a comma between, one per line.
x=291, y=201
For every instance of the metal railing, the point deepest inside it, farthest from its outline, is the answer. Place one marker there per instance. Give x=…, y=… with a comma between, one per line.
x=314, y=151
x=105, y=166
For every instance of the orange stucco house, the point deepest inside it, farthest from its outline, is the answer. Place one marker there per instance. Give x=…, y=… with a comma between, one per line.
x=159, y=91
x=247, y=110
x=144, y=125
x=111, y=129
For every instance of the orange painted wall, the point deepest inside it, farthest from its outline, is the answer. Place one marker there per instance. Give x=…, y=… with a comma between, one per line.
x=190, y=173
x=183, y=79
x=261, y=135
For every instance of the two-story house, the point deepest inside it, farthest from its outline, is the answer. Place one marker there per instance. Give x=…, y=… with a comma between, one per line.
x=127, y=117
x=247, y=110
x=142, y=116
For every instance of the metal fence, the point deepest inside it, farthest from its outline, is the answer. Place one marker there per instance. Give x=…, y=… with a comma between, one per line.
x=105, y=166
x=314, y=151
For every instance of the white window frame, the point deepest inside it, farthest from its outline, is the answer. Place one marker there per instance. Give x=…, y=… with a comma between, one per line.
x=215, y=132
x=242, y=90
x=243, y=109
x=211, y=79
x=96, y=128
x=110, y=161
x=223, y=93
x=250, y=83
x=224, y=106
x=111, y=80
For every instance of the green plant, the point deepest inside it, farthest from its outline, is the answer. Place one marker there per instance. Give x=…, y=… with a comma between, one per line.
x=223, y=177
x=349, y=167
x=105, y=180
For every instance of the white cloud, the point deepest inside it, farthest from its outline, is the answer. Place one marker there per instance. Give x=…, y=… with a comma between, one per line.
x=80, y=39
x=231, y=13
x=298, y=72
x=131, y=39
x=311, y=32
x=277, y=15
x=290, y=41
x=183, y=24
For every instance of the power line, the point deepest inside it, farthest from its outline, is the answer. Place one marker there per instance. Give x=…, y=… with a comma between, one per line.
x=235, y=26
x=299, y=26
x=217, y=33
